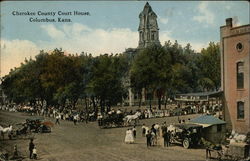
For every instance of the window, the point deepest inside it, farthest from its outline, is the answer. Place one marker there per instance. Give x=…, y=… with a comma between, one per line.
x=240, y=110
x=239, y=47
x=240, y=75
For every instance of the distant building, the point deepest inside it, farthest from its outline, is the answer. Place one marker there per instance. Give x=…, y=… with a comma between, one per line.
x=235, y=57
x=148, y=35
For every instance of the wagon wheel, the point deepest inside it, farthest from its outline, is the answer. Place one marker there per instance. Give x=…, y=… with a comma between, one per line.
x=186, y=143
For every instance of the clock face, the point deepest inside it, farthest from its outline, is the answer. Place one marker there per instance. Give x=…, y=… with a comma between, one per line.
x=239, y=47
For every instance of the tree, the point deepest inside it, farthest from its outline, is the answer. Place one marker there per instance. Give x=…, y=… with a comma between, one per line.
x=209, y=65
x=150, y=70
x=106, y=79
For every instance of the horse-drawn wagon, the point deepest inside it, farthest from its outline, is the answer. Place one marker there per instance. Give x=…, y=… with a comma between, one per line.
x=39, y=125
x=117, y=120
x=111, y=120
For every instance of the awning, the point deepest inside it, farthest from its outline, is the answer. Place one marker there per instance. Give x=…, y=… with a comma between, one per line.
x=207, y=120
x=202, y=96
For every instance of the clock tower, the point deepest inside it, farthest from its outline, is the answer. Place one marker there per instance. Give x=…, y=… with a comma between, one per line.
x=148, y=28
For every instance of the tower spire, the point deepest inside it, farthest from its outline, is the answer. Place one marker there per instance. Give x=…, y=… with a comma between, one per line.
x=148, y=27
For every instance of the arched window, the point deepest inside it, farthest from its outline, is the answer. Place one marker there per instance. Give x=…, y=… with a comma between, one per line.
x=153, y=36
x=240, y=75
x=240, y=110
x=141, y=36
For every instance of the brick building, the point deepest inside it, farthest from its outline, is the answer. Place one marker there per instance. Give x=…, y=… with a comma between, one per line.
x=235, y=57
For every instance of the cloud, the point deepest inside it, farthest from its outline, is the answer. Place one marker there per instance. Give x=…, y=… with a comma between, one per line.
x=228, y=7
x=79, y=38
x=197, y=46
x=236, y=21
x=165, y=36
x=53, y=32
x=13, y=52
x=163, y=20
x=76, y=38
x=205, y=15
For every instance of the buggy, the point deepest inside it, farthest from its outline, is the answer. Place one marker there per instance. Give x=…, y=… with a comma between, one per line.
x=185, y=134
x=113, y=120
x=39, y=125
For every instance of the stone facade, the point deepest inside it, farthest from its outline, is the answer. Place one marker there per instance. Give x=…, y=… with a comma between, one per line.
x=148, y=28
x=235, y=57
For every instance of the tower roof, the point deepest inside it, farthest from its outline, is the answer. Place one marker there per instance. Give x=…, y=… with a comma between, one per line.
x=147, y=9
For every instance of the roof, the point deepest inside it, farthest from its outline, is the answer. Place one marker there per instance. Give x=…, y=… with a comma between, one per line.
x=201, y=96
x=147, y=9
x=201, y=93
x=207, y=120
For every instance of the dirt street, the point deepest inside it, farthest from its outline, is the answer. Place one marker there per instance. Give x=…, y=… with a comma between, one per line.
x=87, y=142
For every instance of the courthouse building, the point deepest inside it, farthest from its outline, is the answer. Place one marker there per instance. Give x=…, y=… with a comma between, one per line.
x=148, y=35
x=235, y=57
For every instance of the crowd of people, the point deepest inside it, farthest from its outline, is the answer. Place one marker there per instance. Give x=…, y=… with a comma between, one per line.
x=153, y=135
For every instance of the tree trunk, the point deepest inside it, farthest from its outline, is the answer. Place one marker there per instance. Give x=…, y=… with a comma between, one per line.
x=101, y=104
x=159, y=103
x=86, y=109
x=108, y=107
x=140, y=98
x=74, y=103
x=94, y=106
x=150, y=103
x=165, y=103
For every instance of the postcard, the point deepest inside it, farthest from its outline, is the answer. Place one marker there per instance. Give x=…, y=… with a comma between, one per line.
x=123, y=80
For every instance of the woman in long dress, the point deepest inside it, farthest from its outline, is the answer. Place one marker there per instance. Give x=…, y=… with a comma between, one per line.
x=129, y=138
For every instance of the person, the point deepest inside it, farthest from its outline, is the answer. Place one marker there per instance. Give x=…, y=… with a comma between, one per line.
x=166, y=137
x=75, y=119
x=153, y=129
x=147, y=130
x=118, y=111
x=129, y=138
x=208, y=153
x=153, y=138
x=15, y=153
x=34, y=153
x=164, y=128
x=99, y=118
x=134, y=132
x=148, y=136
x=31, y=147
x=57, y=119
x=143, y=130
x=157, y=129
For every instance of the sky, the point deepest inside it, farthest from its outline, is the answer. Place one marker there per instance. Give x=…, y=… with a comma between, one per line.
x=110, y=26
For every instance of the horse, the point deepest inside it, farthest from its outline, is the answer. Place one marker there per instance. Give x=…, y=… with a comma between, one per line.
x=135, y=117
x=7, y=130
